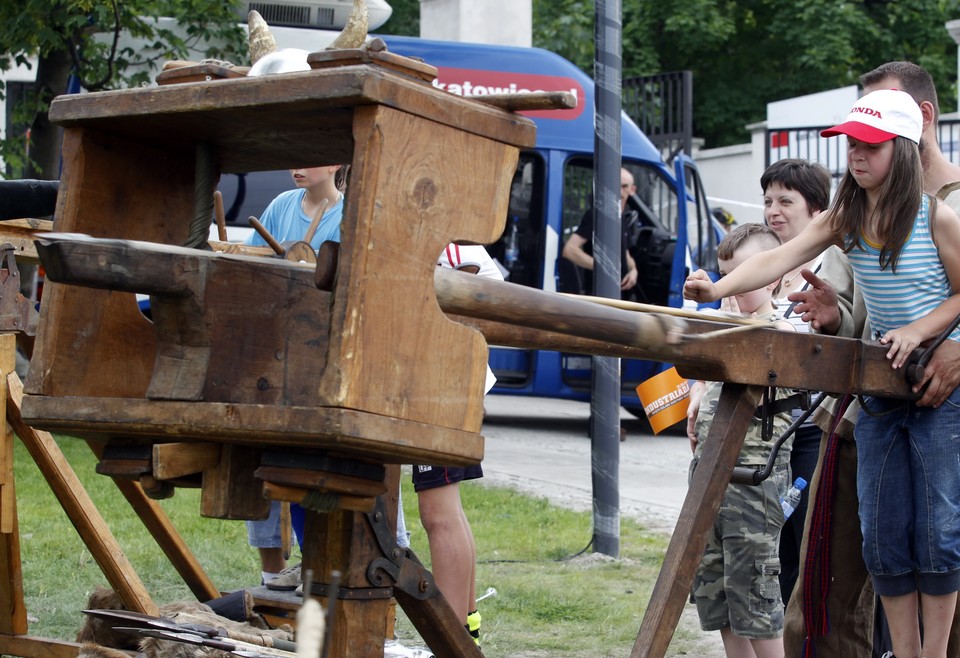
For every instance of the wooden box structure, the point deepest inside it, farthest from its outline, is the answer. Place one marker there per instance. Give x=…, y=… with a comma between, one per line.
x=363, y=368
x=247, y=356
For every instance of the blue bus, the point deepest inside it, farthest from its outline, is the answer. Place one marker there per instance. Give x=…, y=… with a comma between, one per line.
x=551, y=190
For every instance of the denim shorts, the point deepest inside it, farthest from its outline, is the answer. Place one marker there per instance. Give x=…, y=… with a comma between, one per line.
x=908, y=484
x=265, y=533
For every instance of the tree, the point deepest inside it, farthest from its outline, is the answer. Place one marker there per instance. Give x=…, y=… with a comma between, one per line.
x=747, y=53
x=405, y=19
x=79, y=40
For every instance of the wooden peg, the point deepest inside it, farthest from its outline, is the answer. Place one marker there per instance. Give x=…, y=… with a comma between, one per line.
x=220, y=217
x=265, y=234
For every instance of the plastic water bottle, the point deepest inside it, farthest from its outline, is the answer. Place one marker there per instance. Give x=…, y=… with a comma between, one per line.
x=792, y=498
x=512, y=250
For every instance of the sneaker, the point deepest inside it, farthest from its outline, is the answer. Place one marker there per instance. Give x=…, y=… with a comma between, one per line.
x=393, y=649
x=287, y=581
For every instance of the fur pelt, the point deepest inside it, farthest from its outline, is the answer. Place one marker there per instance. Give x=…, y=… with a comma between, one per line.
x=98, y=631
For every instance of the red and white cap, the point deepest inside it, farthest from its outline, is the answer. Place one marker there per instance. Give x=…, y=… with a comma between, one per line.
x=880, y=116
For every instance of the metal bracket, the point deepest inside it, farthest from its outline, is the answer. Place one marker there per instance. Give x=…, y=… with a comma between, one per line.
x=399, y=565
x=17, y=313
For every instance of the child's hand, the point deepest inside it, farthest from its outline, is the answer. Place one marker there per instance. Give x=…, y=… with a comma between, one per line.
x=730, y=305
x=902, y=342
x=699, y=287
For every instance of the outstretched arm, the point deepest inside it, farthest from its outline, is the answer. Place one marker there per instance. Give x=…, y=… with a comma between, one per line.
x=763, y=267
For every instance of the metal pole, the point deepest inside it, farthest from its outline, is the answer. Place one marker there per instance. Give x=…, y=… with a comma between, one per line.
x=605, y=382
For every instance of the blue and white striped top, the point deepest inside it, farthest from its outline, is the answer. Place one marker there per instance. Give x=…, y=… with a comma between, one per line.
x=920, y=284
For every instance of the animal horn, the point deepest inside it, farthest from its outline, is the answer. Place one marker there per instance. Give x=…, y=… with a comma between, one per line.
x=261, y=41
x=354, y=33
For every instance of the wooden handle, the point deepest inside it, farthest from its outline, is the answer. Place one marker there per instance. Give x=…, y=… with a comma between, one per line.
x=474, y=296
x=265, y=234
x=315, y=224
x=535, y=100
x=218, y=214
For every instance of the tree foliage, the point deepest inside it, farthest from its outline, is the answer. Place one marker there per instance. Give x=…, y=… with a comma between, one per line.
x=747, y=53
x=79, y=40
x=405, y=19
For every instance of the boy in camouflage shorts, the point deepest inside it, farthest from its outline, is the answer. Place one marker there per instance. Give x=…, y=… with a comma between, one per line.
x=737, y=588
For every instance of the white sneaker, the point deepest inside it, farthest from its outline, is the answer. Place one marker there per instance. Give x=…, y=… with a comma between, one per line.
x=393, y=649
x=288, y=579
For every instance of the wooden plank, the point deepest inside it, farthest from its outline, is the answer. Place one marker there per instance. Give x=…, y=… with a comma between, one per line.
x=102, y=178
x=173, y=460
x=392, y=342
x=79, y=507
x=230, y=491
x=309, y=479
x=8, y=500
x=20, y=233
x=332, y=500
x=37, y=647
x=13, y=609
x=345, y=431
x=270, y=122
x=707, y=486
x=129, y=469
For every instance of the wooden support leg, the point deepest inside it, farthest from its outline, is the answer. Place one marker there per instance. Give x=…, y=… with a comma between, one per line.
x=340, y=541
x=168, y=538
x=734, y=411
x=78, y=506
x=13, y=610
x=439, y=626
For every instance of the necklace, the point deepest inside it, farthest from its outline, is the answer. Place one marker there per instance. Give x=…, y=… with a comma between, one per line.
x=787, y=280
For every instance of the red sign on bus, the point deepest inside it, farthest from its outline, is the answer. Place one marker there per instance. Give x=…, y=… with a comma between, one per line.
x=476, y=82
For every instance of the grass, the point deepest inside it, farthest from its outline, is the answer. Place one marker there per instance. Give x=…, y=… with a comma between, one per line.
x=553, y=599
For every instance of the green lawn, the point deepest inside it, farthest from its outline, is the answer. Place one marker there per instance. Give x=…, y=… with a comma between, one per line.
x=553, y=598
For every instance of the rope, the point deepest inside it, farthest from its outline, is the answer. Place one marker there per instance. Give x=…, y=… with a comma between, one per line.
x=710, y=335
x=715, y=316
x=205, y=183
x=320, y=501
x=816, y=564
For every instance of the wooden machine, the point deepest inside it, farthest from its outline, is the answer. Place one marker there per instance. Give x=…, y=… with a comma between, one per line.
x=260, y=375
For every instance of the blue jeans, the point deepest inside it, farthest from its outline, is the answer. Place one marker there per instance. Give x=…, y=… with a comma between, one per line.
x=908, y=484
x=265, y=533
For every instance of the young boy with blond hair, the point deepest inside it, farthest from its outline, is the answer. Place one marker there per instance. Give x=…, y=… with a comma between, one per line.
x=737, y=587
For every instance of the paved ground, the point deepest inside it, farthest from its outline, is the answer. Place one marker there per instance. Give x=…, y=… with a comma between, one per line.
x=540, y=446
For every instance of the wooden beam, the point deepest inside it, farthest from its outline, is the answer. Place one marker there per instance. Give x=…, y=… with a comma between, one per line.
x=174, y=460
x=13, y=609
x=79, y=507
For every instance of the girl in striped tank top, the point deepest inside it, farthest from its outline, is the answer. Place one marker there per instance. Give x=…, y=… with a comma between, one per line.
x=905, y=252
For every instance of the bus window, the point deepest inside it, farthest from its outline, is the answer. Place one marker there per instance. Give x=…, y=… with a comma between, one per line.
x=701, y=230
x=526, y=211
x=651, y=217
